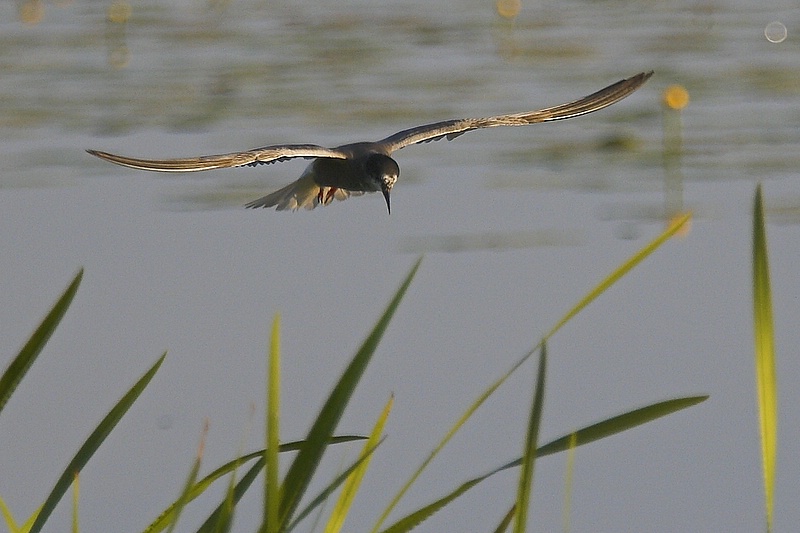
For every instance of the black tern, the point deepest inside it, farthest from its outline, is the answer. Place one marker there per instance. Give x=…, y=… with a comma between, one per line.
x=353, y=169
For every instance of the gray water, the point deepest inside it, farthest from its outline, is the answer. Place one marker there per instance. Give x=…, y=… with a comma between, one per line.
x=517, y=224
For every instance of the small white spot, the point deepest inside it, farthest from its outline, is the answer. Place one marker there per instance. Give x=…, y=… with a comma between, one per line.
x=775, y=32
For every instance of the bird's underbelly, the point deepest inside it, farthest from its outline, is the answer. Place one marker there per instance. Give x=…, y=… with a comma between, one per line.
x=341, y=174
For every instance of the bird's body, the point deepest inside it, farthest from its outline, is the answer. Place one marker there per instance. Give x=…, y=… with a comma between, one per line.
x=353, y=169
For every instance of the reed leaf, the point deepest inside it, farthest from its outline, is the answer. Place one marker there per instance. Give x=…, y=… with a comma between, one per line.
x=305, y=463
x=766, y=376
x=11, y=524
x=506, y=521
x=350, y=488
x=599, y=289
x=325, y=493
x=168, y=515
x=618, y=424
x=582, y=436
x=449, y=435
x=19, y=366
x=271, y=482
x=184, y=498
x=627, y=266
x=412, y=520
x=529, y=453
x=92, y=444
x=568, y=478
x=221, y=517
x=76, y=485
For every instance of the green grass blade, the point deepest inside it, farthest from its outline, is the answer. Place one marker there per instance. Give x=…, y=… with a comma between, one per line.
x=305, y=463
x=11, y=524
x=585, y=435
x=350, y=488
x=679, y=223
x=271, y=484
x=568, y=478
x=223, y=521
x=529, y=454
x=449, y=435
x=184, y=498
x=221, y=517
x=168, y=515
x=75, y=495
x=92, y=444
x=506, y=521
x=627, y=266
x=766, y=377
x=26, y=527
x=618, y=424
x=22, y=362
x=412, y=520
x=323, y=496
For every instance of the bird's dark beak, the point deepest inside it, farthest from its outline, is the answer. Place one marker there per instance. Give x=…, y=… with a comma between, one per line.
x=388, y=203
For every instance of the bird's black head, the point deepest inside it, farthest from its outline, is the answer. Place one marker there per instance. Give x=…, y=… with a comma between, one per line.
x=382, y=171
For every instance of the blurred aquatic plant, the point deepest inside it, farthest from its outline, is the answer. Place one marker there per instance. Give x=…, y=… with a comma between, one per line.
x=674, y=100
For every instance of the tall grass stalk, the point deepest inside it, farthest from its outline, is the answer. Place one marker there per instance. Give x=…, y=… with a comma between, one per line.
x=350, y=488
x=76, y=486
x=272, y=493
x=766, y=377
x=568, y=478
x=506, y=521
x=190, y=480
x=529, y=452
x=674, y=227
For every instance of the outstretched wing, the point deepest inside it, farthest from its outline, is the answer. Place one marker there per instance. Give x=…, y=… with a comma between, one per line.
x=258, y=156
x=451, y=129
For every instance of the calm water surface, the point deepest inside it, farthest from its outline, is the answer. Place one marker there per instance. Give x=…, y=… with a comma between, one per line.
x=517, y=224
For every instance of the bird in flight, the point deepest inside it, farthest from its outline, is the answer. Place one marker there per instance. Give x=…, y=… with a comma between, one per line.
x=357, y=168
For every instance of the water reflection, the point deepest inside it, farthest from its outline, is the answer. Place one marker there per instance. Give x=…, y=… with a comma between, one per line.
x=508, y=9
x=267, y=73
x=117, y=16
x=30, y=11
x=675, y=98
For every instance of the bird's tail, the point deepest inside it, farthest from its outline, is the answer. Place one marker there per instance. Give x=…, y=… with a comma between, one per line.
x=303, y=193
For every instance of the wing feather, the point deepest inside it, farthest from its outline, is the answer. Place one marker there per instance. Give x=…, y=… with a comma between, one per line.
x=258, y=156
x=450, y=129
